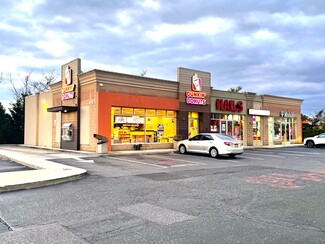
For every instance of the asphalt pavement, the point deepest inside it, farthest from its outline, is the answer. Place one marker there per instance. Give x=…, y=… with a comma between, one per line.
x=36, y=167
x=271, y=195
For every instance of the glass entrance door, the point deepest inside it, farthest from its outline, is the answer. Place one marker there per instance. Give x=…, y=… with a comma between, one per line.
x=285, y=132
x=193, y=124
x=223, y=127
x=226, y=127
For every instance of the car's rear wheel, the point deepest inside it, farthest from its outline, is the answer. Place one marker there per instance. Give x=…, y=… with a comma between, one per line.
x=213, y=152
x=182, y=149
x=310, y=144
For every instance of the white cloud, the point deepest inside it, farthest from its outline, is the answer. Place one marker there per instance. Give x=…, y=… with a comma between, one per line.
x=54, y=44
x=7, y=27
x=152, y=4
x=109, y=28
x=61, y=19
x=207, y=26
x=299, y=19
x=27, y=6
x=256, y=38
x=265, y=35
x=253, y=44
x=124, y=18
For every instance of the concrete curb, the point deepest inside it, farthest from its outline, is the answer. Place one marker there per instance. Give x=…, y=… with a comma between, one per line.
x=41, y=183
x=46, y=172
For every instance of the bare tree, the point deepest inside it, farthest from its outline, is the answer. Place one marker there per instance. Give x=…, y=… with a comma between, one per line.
x=25, y=88
x=236, y=89
x=43, y=85
x=143, y=73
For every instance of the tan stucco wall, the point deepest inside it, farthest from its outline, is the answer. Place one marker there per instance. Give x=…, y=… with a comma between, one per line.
x=88, y=111
x=31, y=120
x=45, y=120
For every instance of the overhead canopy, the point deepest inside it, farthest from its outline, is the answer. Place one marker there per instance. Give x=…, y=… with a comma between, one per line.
x=63, y=109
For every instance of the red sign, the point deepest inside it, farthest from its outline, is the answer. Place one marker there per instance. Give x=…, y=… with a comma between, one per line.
x=196, y=94
x=68, y=95
x=229, y=105
x=196, y=101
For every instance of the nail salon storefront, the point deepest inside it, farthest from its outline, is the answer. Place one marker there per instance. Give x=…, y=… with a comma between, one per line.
x=256, y=119
x=130, y=110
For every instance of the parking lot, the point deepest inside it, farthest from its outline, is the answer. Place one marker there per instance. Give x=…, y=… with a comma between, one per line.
x=10, y=166
x=272, y=195
x=297, y=158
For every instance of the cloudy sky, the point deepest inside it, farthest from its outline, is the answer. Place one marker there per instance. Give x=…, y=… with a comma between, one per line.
x=274, y=47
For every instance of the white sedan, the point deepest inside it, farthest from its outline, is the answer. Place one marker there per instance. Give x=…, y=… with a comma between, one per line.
x=315, y=141
x=213, y=144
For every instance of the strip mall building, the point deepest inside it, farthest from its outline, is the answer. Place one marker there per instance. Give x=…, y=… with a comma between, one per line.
x=130, y=110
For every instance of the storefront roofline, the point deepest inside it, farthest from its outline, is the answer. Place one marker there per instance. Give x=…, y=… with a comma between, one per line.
x=63, y=109
x=125, y=75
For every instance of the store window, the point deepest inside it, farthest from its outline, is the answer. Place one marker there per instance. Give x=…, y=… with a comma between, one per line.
x=256, y=121
x=127, y=111
x=285, y=129
x=228, y=124
x=135, y=125
x=139, y=111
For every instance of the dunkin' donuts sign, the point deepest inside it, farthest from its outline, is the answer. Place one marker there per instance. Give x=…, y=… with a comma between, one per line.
x=68, y=89
x=196, y=96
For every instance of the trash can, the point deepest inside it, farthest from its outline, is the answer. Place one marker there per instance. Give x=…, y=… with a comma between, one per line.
x=102, y=147
x=101, y=144
x=137, y=146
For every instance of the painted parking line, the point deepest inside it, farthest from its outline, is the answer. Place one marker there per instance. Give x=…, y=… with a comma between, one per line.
x=179, y=160
x=295, y=155
x=252, y=158
x=139, y=162
x=310, y=153
x=81, y=160
x=266, y=155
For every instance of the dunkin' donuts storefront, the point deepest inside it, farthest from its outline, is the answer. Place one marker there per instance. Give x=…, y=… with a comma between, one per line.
x=123, y=111
x=102, y=111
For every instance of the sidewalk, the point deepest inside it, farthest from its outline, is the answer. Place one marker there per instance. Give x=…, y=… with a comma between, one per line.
x=46, y=173
x=49, y=173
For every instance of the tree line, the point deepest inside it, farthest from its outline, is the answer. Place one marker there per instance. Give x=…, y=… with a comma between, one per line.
x=12, y=121
x=313, y=125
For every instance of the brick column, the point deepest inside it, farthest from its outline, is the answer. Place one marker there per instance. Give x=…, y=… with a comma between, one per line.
x=249, y=131
x=265, y=131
